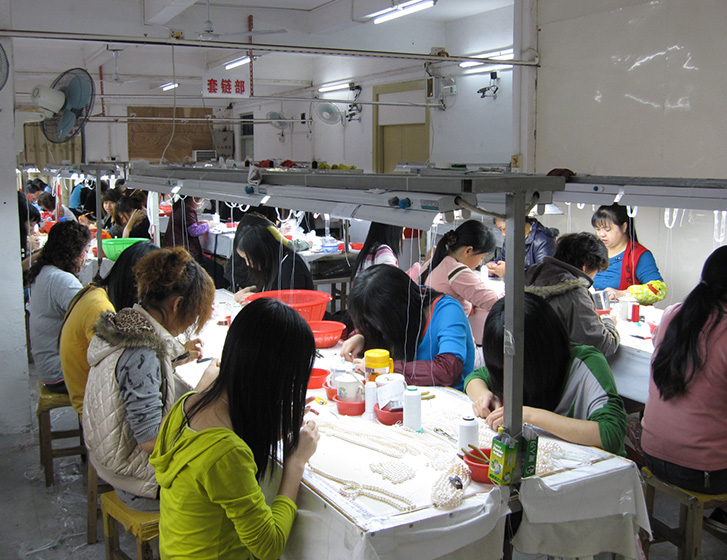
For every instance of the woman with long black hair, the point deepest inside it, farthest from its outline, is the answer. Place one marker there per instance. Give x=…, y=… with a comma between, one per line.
x=684, y=431
x=426, y=332
x=382, y=246
x=216, y=446
x=451, y=271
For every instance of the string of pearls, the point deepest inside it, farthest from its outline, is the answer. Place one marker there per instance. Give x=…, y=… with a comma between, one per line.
x=352, y=490
x=395, y=471
x=448, y=491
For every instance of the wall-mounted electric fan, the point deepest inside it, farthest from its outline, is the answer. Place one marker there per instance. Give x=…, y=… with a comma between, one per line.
x=277, y=120
x=4, y=67
x=66, y=104
x=328, y=113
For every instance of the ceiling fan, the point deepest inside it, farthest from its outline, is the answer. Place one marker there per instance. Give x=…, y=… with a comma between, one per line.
x=208, y=33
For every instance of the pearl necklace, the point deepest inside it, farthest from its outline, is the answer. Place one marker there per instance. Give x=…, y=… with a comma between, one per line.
x=352, y=490
x=369, y=441
x=395, y=471
x=448, y=491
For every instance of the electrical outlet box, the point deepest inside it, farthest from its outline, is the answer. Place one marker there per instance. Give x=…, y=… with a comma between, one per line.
x=515, y=161
x=449, y=90
x=176, y=33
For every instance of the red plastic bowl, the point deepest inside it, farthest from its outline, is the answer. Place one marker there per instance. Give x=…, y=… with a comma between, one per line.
x=331, y=392
x=357, y=246
x=48, y=224
x=311, y=304
x=603, y=311
x=317, y=378
x=388, y=417
x=480, y=472
x=326, y=333
x=166, y=209
x=350, y=408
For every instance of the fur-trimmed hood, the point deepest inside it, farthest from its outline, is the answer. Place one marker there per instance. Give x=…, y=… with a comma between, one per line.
x=553, y=278
x=131, y=328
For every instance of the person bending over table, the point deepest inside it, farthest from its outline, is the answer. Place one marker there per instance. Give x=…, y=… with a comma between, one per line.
x=426, y=332
x=567, y=390
x=451, y=271
x=116, y=291
x=131, y=386
x=539, y=243
x=272, y=265
x=563, y=280
x=382, y=246
x=632, y=270
x=130, y=219
x=684, y=431
x=53, y=284
x=216, y=446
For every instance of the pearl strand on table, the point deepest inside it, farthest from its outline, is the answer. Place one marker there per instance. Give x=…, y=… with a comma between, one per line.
x=352, y=490
x=395, y=471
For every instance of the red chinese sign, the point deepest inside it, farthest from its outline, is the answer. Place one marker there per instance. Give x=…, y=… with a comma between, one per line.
x=225, y=86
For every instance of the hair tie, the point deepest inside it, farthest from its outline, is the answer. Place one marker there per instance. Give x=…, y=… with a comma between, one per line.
x=450, y=238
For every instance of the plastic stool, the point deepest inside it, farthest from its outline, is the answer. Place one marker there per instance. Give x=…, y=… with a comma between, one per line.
x=92, y=491
x=47, y=401
x=143, y=525
x=688, y=536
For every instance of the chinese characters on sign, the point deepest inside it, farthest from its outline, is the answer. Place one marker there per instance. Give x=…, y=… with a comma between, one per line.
x=225, y=86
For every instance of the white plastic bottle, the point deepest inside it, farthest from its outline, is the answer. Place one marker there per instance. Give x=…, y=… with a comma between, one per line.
x=370, y=397
x=469, y=431
x=413, y=408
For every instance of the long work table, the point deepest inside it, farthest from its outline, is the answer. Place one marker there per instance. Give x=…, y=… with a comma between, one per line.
x=583, y=500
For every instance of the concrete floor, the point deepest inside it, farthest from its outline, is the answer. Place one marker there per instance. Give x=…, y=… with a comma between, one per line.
x=42, y=523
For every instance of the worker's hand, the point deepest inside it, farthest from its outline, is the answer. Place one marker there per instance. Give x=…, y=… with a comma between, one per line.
x=137, y=216
x=307, y=443
x=353, y=347
x=483, y=406
x=616, y=294
x=496, y=268
x=495, y=419
x=194, y=347
x=241, y=295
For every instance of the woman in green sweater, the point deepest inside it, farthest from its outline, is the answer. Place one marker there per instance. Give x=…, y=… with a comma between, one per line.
x=567, y=390
x=215, y=446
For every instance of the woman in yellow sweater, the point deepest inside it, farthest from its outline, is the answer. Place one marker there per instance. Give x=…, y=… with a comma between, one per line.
x=215, y=446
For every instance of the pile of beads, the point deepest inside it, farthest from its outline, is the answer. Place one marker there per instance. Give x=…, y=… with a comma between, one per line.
x=448, y=491
x=395, y=471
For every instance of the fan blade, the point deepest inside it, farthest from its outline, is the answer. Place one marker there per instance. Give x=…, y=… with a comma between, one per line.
x=66, y=124
x=78, y=93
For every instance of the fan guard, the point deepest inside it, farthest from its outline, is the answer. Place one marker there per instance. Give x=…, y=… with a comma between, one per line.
x=4, y=67
x=77, y=89
x=274, y=116
x=328, y=113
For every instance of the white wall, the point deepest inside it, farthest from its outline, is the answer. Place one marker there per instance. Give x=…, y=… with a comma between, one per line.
x=635, y=88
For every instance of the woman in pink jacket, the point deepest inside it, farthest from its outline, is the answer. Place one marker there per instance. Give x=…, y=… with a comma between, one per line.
x=451, y=271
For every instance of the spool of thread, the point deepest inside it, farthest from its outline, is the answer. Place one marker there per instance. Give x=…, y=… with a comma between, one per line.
x=387, y=378
x=468, y=433
x=413, y=408
x=370, y=395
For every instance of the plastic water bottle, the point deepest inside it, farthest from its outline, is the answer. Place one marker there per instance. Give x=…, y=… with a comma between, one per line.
x=413, y=408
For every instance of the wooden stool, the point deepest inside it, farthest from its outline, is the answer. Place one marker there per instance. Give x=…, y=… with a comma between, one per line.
x=143, y=525
x=47, y=401
x=92, y=490
x=688, y=536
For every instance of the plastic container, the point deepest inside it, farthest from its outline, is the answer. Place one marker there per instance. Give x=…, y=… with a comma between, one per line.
x=413, y=408
x=388, y=417
x=331, y=391
x=311, y=304
x=350, y=408
x=480, y=471
x=317, y=378
x=326, y=333
x=377, y=362
x=356, y=246
x=113, y=248
x=48, y=224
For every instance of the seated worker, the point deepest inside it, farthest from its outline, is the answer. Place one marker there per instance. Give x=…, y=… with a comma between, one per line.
x=382, y=246
x=563, y=281
x=632, y=270
x=567, y=390
x=451, y=271
x=53, y=284
x=426, y=333
x=184, y=230
x=130, y=219
x=272, y=265
x=116, y=291
x=236, y=271
x=131, y=386
x=28, y=217
x=684, y=434
x=48, y=203
x=216, y=446
x=539, y=243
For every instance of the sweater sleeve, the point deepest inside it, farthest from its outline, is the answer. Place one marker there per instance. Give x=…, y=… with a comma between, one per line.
x=139, y=376
x=264, y=530
x=591, y=328
x=469, y=286
x=651, y=287
x=479, y=373
x=196, y=229
x=444, y=370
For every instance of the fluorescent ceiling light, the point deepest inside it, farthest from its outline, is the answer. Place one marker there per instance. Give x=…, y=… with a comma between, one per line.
x=168, y=86
x=237, y=62
x=505, y=54
x=403, y=9
x=334, y=87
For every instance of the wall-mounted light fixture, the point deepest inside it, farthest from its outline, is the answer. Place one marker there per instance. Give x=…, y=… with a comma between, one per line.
x=169, y=85
x=477, y=67
x=336, y=86
x=234, y=63
x=401, y=9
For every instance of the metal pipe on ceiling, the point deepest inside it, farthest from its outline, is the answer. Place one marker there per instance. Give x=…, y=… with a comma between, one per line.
x=264, y=47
